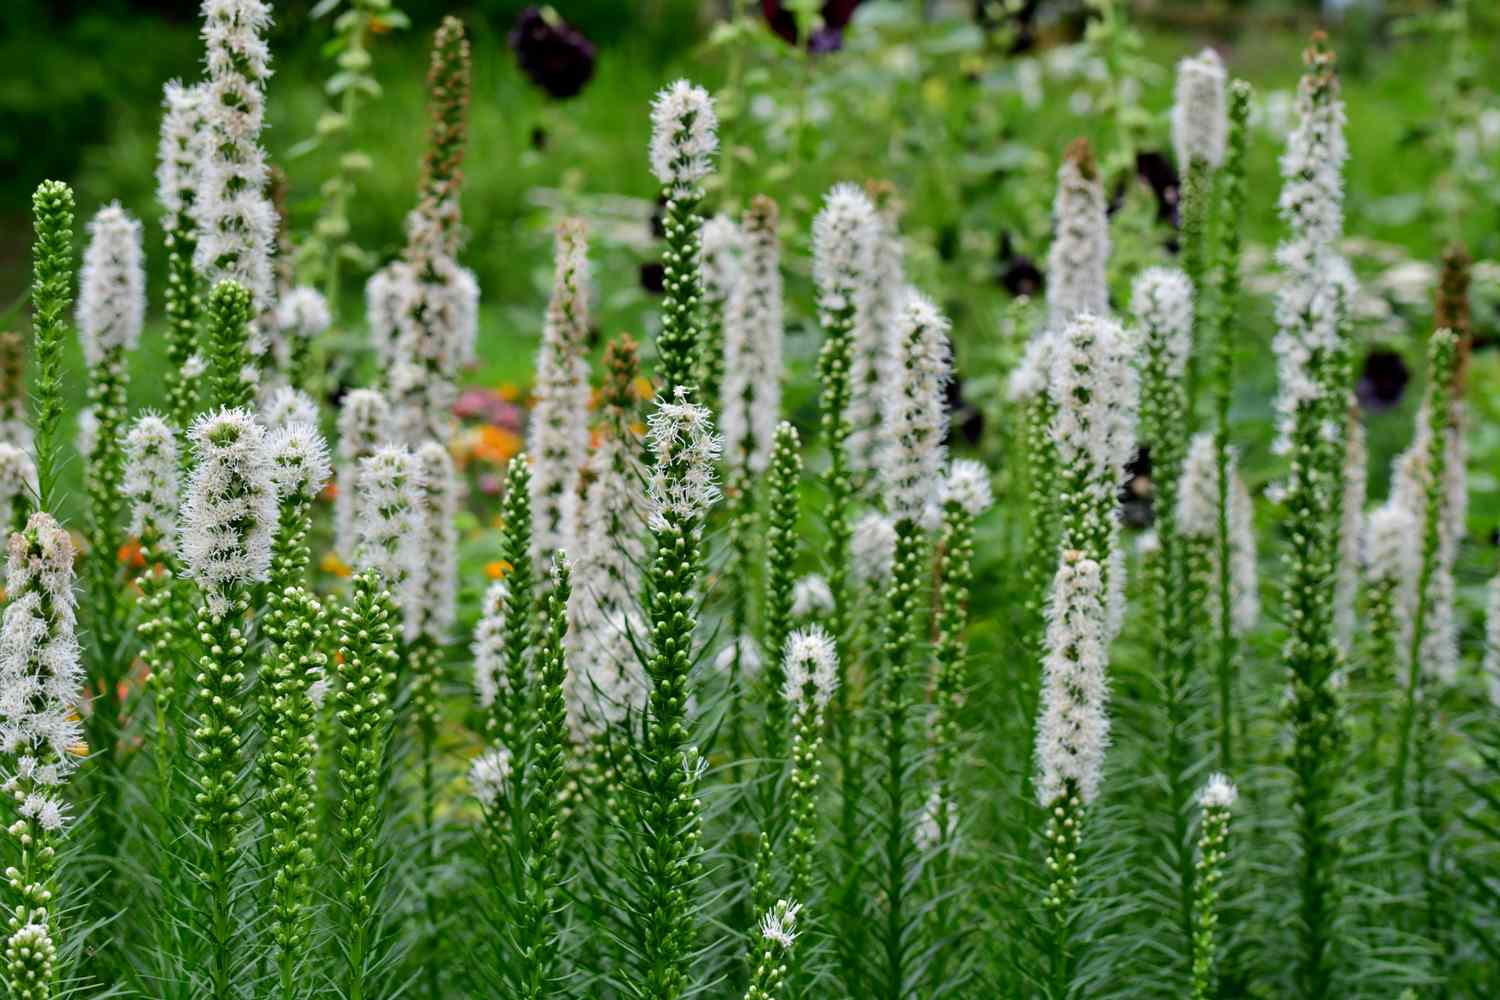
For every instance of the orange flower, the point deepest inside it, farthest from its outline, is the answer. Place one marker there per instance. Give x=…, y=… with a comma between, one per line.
x=496, y=445
x=643, y=388
x=497, y=569
x=509, y=391
x=331, y=491
x=131, y=555
x=331, y=563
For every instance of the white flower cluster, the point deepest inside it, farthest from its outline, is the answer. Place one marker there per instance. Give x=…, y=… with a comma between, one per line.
x=365, y=423
x=1218, y=793
x=1028, y=380
x=721, y=259
x=17, y=474
x=391, y=494
x=236, y=224
x=873, y=355
x=751, y=395
x=437, y=589
x=613, y=686
x=153, y=479
x=111, y=286
x=180, y=151
x=811, y=597
x=916, y=412
x=1200, y=119
x=843, y=234
x=1162, y=301
x=1492, y=641
x=872, y=548
x=299, y=456
x=687, y=449
x=558, y=438
x=488, y=775
x=41, y=670
x=931, y=828
x=684, y=137
x=1392, y=555
x=303, y=311
x=229, y=517
x=1073, y=730
x=488, y=647
x=779, y=925
x=967, y=484
x=287, y=406
x=1076, y=262
x=1318, y=284
x=1198, y=518
x=810, y=659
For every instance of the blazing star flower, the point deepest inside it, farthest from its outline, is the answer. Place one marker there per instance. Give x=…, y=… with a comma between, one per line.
x=810, y=660
x=392, y=491
x=872, y=548
x=1076, y=263
x=684, y=137
x=911, y=472
x=1200, y=117
x=687, y=450
x=1073, y=731
x=488, y=776
x=365, y=423
x=152, y=479
x=229, y=517
x=112, y=286
x=753, y=321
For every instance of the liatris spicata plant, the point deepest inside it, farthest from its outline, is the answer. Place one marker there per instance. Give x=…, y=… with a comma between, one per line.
x=777, y=933
x=558, y=438
x=232, y=372
x=228, y=521
x=51, y=295
x=366, y=661
x=436, y=590
x=179, y=165
x=111, y=310
x=288, y=407
x=783, y=486
x=911, y=471
x=1200, y=127
x=234, y=220
x=41, y=688
x=511, y=714
x=1312, y=407
x=809, y=679
x=1215, y=802
x=684, y=140
x=680, y=491
x=364, y=424
x=721, y=268
x=870, y=352
x=1392, y=562
x=1080, y=246
x=1029, y=391
x=392, y=492
x=751, y=398
x=301, y=315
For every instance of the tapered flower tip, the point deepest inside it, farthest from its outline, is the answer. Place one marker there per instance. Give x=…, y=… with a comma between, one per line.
x=872, y=548
x=968, y=485
x=843, y=235
x=684, y=136
x=180, y=151
x=229, y=517
x=17, y=472
x=687, y=450
x=112, y=285
x=1200, y=119
x=300, y=455
x=1218, y=793
x=916, y=411
x=289, y=406
x=488, y=775
x=779, y=925
x=364, y=421
x=303, y=311
x=811, y=596
x=1393, y=534
x=152, y=476
x=1028, y=380
x=1162, y=301
x=810, y=660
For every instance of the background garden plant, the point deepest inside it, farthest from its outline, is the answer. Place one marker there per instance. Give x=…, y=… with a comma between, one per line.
x=891, y=531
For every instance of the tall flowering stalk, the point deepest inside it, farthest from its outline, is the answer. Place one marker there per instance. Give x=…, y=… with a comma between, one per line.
x=1312, y=407
x=684, y=140
x=784, y=484
x=1392, y=562
x=234, y=219
x=776, y=934
x=723, y=247
x=912, y=471
x=423, y=309
x=809, y=679
x=1079, y=256
x=1029, y=393
x=1200, y=128
x=51, y=294
x=558, y=437
x=1231, y=221
x=512, y=714
x=179, y=164
x=680, y=491
x=232, y=372
x=364, y=424
x=871, y=347
x=228, y=521
x=41, y=681
x=1214, y=802
x=295, y=625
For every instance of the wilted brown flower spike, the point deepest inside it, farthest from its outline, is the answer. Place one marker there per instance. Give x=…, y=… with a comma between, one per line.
x=1451, y=311
x=448, y=103
x=622, y=366
x=1082, y=154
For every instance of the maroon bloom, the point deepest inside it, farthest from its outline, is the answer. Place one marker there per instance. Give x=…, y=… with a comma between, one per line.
x=829, y=38
x=552, y=52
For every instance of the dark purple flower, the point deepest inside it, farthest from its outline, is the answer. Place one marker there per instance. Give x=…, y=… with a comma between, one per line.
x=1158, y=173
x=1382, y=380
x=1019, y=274
x=965, y=420
x=552, y=52
x=829, y=38
x=653, y=277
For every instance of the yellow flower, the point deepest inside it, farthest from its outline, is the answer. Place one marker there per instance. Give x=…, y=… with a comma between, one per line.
x=497, y=569
x=331, y=563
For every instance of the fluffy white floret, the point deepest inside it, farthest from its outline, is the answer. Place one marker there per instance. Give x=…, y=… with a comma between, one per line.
x=1073, y=730
x=684, y=137
x=1218, y=793
x=843, y=236
x=810, y=661
x=229, y=517
x=753, y=317
x=365, y=423
x=967, y=484
x=489, y=773
x=289, y=406
x=488, y=647
x=112, y=285
x=437, y=590
x=300, y=457
x=779, y=925
x=1200, y=118
x=916, y=411
x=1080, y=249
x=180, y=150
x=1162, y=301
x=17, y=474
x=811, y=596
x=872, y=548
x=304, y=312
x=682, y=486
x=391, y=493
x=152, y=480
